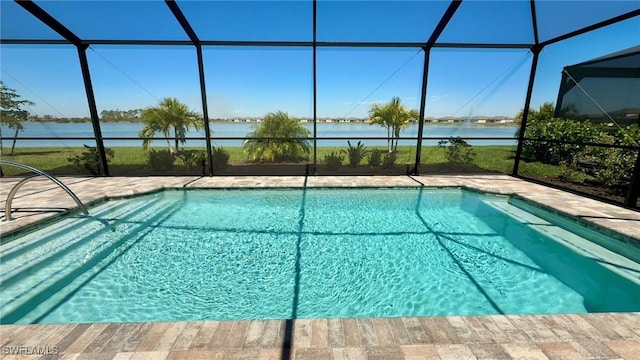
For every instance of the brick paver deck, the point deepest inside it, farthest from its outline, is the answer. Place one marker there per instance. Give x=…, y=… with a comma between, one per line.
x=567, y=336
x=585, y=336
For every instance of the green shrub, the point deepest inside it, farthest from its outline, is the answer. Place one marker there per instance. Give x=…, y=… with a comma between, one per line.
x=389, y=160
x=161, y=160
x=220, y=158
x=558, y=130
x=571, y=173
x=614, y=166
x=375, y=158
x=355, y=153
x=457, y=150
x=333, y=160
x=90, y=159
x=191, y=158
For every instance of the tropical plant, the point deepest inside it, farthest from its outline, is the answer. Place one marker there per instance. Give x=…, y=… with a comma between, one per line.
x=161, y=160
x=389, y=160
x=90, y=159
x=333, y=160
x=11, y=113
x=457, y=150
x=375, y=158
x=191, y=158
x=170, y=114
x=395, y=117
x=278, y=138
x=220, y=158
x=355, y=153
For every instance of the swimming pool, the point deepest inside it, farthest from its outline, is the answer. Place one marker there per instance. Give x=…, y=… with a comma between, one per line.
x=312, y=253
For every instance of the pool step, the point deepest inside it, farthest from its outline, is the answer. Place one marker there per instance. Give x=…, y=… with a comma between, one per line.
x=597, y=273
x=67, y=262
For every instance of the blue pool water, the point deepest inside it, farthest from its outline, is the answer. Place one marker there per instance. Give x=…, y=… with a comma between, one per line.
x=310, y=253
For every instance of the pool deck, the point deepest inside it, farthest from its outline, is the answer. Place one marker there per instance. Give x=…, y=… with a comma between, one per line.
x=567, y=336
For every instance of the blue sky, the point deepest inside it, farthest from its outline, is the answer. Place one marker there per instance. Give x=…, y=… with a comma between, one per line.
x=251, y=81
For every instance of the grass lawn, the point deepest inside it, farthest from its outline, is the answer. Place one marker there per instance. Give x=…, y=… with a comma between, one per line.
x=134, y=161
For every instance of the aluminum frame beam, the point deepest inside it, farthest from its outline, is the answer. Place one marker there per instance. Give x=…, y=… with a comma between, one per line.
x=184, y=23
x=55, y=25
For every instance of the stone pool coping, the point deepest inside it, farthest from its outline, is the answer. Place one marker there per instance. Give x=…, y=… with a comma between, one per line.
x=566, y=336
x=40, y=199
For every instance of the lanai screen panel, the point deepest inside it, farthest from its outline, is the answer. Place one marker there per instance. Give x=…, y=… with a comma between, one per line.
x=557, y=18
x=378, y=21
x=17, y=23
x=490, y=22
x=116, y=20
x=250, y=20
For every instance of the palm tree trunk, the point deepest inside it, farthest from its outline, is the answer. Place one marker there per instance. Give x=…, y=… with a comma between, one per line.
x=175, y=133
x=0, y=140
x=166, y=137
x=15, y=137
x=396, y=135
x=389, y=140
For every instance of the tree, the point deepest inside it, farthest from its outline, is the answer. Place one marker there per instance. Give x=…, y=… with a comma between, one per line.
x=169, y=114
x=545, y=111
x=132, y=115
x=279, y=138
x=542, y=125
x=11, y=113
x=393, y=116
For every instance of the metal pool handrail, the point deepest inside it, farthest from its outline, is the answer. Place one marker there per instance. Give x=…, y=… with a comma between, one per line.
x=16, y=187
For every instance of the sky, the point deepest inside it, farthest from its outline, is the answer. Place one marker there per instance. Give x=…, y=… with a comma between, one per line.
x=252, y=81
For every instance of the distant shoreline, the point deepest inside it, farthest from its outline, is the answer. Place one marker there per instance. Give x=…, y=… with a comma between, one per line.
x=428, y=123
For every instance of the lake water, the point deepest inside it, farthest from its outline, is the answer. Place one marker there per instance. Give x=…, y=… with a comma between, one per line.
x=131, y=130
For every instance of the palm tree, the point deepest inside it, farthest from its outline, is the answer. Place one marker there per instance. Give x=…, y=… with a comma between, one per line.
x=278, y=138
x=395, y=117
x=169, y=114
